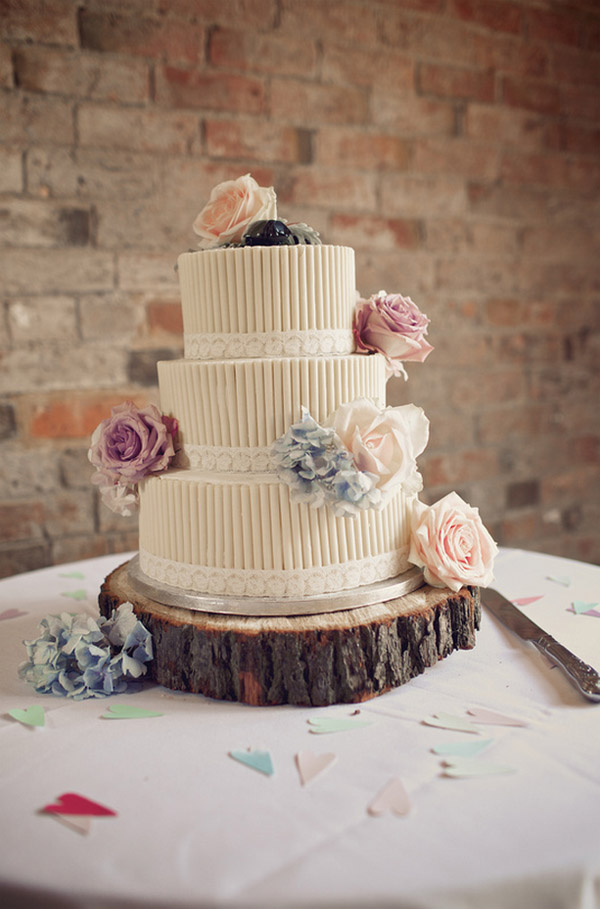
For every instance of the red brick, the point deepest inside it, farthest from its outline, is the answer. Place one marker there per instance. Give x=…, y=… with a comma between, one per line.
x=138, y=129
x=330, y=189
x=29, y=119
x=537, y=96
x=6, y=70
x=310, y=104
x=508, y=56
x=456, y=156
x=572, y=137
x=423, y=6
x=580, y=102
x=20, y=520
x=76, y=417
x=550, y=170
x=255, y=140
x=493, y=14
x=576, y=66
x=210, y=90
x=360, y=149
x=459, y=467
x=335, y=19
x=456, y=82
x=84, y=75
x=506, y=126
x=163, y=316
x=280, y=54
x=411, y=115
x=392, y=71
x=43, y=21
x=423, y=195
x=504, y=312
x=157, y=38
x=554, y=26
x=373, y=232
x=520, y=528
x=258, y=16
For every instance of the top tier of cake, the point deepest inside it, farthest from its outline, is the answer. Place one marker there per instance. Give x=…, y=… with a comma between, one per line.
x=267, y=301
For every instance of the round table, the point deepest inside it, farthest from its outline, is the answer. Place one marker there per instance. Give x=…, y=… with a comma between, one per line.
x=194, y=827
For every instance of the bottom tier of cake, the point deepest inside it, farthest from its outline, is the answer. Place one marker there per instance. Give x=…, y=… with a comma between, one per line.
x=244, y=536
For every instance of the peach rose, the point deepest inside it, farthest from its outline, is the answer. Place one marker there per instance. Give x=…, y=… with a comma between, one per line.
x=232, y=207
x=384, y=442
x=449, y=541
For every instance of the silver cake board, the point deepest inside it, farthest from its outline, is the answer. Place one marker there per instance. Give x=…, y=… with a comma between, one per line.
x=336, y=601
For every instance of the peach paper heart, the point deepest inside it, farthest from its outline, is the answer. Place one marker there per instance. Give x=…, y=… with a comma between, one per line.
x=72, y=803
x=392, y=797
x=311, y=765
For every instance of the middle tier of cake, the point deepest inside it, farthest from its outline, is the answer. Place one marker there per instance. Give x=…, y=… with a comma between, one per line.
x=231, y=411
x=243, y=535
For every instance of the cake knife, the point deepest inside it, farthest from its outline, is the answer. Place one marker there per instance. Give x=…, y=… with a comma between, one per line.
x=584, y=677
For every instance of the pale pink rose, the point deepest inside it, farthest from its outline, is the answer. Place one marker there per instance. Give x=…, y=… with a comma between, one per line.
x=451, y=544
x=394, y=326
x=384, y=442
x=232, y=207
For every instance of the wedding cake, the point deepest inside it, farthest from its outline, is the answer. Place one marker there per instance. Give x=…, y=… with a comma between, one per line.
x=273, y=467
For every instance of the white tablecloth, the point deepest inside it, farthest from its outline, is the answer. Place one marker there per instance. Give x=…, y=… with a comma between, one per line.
x=196, y=828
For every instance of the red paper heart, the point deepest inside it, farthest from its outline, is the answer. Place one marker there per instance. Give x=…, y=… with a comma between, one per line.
x=71, y=803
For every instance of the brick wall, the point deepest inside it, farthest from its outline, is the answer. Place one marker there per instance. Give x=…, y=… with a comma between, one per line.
x=454, y=143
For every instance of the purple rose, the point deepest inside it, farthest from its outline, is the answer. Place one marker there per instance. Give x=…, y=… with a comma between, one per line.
x=132, y=443
x=394, y=326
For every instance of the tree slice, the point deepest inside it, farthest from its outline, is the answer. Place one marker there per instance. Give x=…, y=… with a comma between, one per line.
x=331, y=658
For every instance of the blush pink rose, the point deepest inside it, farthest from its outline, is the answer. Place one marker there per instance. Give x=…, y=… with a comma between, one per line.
x=384, y=442
x=232, y=207
x=451, y=544
x=132, y=443
x=394, y=326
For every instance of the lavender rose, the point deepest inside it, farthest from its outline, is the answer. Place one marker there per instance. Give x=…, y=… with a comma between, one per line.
x=394, y=326
x=132, y=443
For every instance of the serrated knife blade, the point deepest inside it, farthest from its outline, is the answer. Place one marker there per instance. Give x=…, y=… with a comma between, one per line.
x=584, y=677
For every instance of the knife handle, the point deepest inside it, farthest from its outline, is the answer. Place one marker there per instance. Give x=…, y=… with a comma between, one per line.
x=586, y=678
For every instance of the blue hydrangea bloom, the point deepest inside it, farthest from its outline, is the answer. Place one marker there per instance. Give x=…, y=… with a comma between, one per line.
x=319, y=469
x=80, y=657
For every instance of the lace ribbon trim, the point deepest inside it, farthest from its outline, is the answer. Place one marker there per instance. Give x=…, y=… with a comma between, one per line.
x=274, y=583
x=225, y=460
x=251, y=345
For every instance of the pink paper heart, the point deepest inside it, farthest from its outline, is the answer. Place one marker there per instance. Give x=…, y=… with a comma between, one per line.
x=311, y=765
x=527, y=601
x=392, y=797
x=491, y=718
x=72, y=803
x=11, y=614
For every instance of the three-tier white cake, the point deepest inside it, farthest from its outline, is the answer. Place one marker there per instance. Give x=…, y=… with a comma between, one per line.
x=267, y=334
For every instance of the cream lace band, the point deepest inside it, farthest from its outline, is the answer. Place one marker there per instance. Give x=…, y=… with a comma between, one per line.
x=220, y=459
x=274, y=583
x=271, y=344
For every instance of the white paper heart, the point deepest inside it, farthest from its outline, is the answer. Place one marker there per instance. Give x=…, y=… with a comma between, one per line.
x=311, y=765
x=81, y=823
x=448, y=721
x=465, y=767
x=393, y=797
x=491, y=718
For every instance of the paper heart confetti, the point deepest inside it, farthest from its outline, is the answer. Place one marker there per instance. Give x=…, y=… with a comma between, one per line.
x=311, y=765
x=11, y=614
x=29, y=716
x=80, y=823
x=581, y=607
x=77, y=575
x=128, y=712
x=559, y=579
x=448, y=721
x=465, y=767
x=75, y=594
x=464, y=748
x=492, y=718
x=526, y=601
x=71, y=803
x=323, y=724
x=258, y=760
x=393, y=797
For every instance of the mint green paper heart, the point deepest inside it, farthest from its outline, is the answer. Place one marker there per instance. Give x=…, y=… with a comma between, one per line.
x=128, y=712
x=580, y=607
x=30, y=716
x=464, y=748
x=75, y=594
x=322, y=724
x=258, y=760
x=78, y=575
